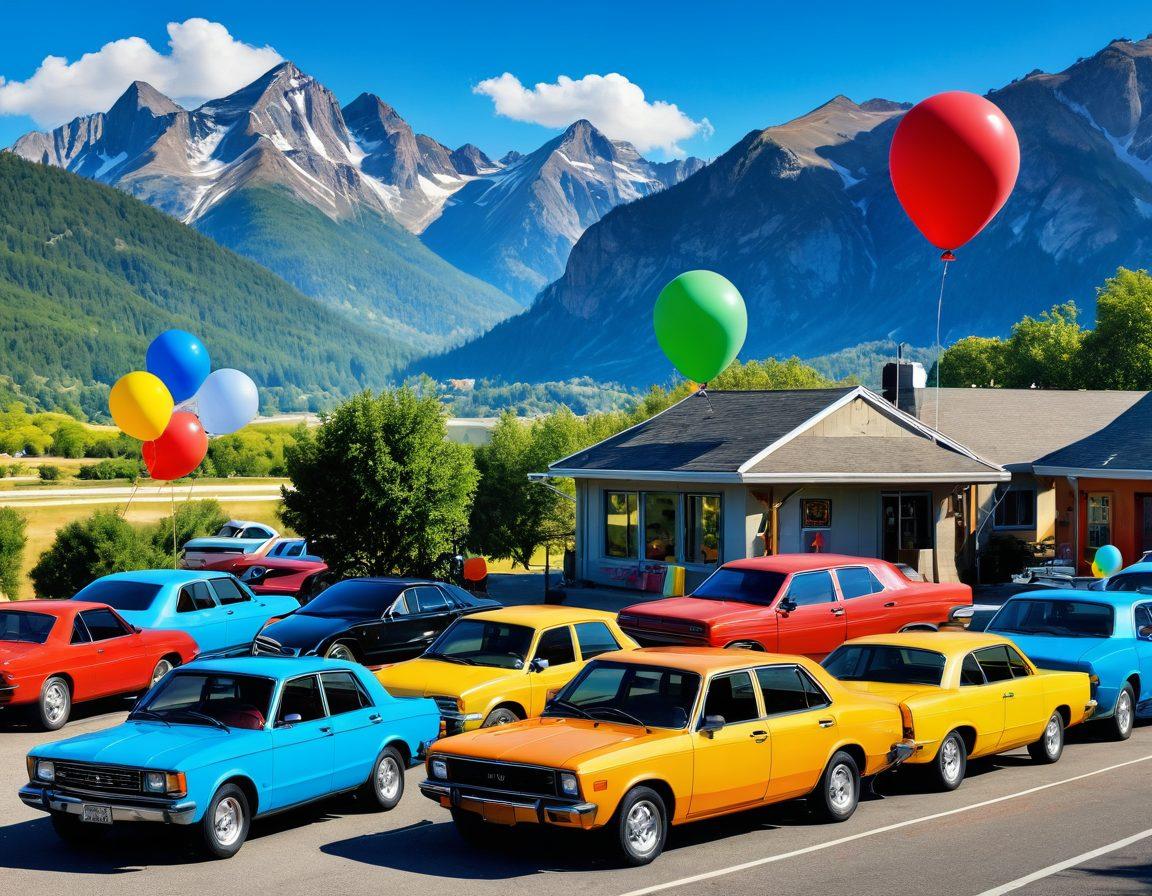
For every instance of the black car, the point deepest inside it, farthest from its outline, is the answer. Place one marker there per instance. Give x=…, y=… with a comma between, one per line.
x=370, y=620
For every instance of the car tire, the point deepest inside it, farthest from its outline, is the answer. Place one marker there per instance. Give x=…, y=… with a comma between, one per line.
x=72, y=830
x=1049, y=748
x=341, y=650
x=385, y=785
x=1124, y=714
x=838, y=793
x=224, y=827
x=639, y=828
x=951, y=763
x=55, y=704
x=474, y=830
x=162, y=668
x=501, y=715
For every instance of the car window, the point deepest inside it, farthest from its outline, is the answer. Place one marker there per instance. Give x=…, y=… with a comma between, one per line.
x=811, y=588
x=857, y=581
x=195, y=597
x=594, y=639
x=556, y=647
x=302, y=697
x=733, y=697
x=431, y=599
x=816, y=695
x=782, y=688
x=103, y=624
x=401, y=606
x=228, y=591
x=343, y=692
x=462, y=597
x=255, y=532
x=971, y=675
x=294, y=549
x=79, y=632
x=1017, y=665
x=1143, y=616
x=994, y=662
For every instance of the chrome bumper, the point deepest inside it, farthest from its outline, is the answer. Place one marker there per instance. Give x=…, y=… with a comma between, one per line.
x=902, y=751
x=166, y=811
x=542, y=810
x=1089, y=709
x=7, y=693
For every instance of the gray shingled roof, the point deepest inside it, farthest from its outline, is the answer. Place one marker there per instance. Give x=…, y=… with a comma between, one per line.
x=712, y=435
x=863, y=455
x=1123, y=444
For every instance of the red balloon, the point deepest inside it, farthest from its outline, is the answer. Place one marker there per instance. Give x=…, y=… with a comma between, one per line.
x=179, y=449
x=953, y=161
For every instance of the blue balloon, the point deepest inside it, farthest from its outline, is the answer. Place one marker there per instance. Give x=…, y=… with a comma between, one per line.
x=227, y=401
x=181, y=362
x=1109, y=560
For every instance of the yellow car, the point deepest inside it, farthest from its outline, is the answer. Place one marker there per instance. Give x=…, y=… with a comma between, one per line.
x=501, y=666
x=646, y=738
x=965, y=695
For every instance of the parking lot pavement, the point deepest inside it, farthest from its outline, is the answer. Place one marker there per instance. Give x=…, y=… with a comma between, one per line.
x=1010, y=821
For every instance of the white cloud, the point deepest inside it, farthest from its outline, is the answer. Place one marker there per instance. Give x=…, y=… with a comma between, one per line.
x=204, y=62
x=611, y=102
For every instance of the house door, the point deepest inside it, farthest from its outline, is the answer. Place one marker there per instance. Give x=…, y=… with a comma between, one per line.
x=906, y=525
x=1144, y=523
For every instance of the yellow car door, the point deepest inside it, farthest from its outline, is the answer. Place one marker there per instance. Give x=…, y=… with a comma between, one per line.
x=553, y=665
x=1026, y=712
x=732, y=751
x=1019, y=701
x=802, y=726
x=980, y=703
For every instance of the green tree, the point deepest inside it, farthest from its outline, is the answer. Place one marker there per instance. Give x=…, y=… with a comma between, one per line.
x=973, y=361
x=193, y=519
x=86, y=549
x=69, y=440
x=1118, y=353
x=50, y=473
x=13, y=538
x=1045, y=351
x=379, y=489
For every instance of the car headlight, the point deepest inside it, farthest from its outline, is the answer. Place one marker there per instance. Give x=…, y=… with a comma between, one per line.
x=439, y=769
x=569, y=785
x=45, y=770
x=155, y=782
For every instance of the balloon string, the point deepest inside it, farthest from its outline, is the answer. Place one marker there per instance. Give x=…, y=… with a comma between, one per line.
x=174, y=563
x=939, y=347
x=128, y=506
x=703, y=393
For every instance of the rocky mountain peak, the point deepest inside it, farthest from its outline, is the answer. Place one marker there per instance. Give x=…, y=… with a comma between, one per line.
x=470, y=160
x=142, y=96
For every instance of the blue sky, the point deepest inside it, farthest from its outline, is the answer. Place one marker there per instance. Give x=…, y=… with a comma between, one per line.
x=740, y=66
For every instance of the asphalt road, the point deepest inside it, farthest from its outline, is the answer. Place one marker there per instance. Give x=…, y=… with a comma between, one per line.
x=1081, y=826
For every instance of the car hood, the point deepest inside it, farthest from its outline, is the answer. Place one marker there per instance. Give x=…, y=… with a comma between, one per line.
x=696, y=609
x=551, y=742
x=303, y=632
x=429, y=677
x=156, y=745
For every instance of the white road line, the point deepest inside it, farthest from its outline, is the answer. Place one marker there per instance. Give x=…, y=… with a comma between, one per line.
x=840, y=841
x=1064, y=866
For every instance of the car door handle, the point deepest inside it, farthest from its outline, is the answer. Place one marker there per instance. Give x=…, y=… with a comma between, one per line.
x=99, y=649
x=375, y=718
x=837, y=611
x=759, y=736
x=327, y=729
x=826, y=723
x=890, y=603
x=230, y=612
x=1008, y=694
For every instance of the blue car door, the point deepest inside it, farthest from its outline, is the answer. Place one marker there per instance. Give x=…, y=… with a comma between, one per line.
x=1144, y=656
x=356, y=724
x=199, y=614
x=303, y=745
x=245, y=614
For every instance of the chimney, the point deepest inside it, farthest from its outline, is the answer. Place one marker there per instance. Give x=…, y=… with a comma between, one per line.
x=902, y=383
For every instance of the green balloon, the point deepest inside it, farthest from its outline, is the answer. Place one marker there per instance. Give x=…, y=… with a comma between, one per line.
x=700, y=322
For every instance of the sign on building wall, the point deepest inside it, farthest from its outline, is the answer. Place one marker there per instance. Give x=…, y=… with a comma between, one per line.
x=815, y=513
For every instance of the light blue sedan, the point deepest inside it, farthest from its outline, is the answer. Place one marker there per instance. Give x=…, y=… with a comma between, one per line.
x=215, y=608
x=217, y=743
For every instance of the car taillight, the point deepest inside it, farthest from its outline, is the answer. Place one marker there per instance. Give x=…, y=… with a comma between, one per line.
x=906, y=721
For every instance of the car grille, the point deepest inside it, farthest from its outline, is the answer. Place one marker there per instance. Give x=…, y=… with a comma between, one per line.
x=658, y=630
x=503, y=776
x=98, y=778
x=268, y=647
x=446, y=704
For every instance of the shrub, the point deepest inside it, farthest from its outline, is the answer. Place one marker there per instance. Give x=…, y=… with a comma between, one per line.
x=50, y=473
x=12, y=540
x=86, y=549
x=112, y=468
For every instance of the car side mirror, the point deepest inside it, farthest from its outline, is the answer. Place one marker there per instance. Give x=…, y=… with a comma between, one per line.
x=538, y=665
x=711, y=725
x=786, y=604
x=136, y=629
x=289, y=720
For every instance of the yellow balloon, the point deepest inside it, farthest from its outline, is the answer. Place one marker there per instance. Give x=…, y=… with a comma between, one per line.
x=141, y=405
x=1096, y=571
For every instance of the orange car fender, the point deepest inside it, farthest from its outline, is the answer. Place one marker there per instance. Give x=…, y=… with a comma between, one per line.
x=670, y=776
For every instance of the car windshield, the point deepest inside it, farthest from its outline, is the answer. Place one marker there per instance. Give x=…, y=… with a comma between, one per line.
x=228, y=531
x=208, y=698
x=119, y=594
x=1130, y=581
x=354, y=598
x=478, y=642
x=1054, y=618
x=750, y=586
x=20, y=625
x=886, y=663
x=652, y=696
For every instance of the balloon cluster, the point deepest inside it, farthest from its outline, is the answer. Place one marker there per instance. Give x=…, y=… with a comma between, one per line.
x=178, y=401
x=1108, y=561
x=700, y=322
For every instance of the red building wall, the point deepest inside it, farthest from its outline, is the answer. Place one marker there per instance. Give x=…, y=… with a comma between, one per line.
x=1127, y=525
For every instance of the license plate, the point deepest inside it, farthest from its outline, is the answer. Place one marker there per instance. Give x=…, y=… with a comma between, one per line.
x=96, y=814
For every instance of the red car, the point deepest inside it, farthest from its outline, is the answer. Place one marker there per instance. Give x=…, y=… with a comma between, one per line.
x=54, y=653
x=806, y=604
x=277, y=575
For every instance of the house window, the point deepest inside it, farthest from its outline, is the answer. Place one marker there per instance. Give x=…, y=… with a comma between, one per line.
x=702, y=528
x=1099, y=519
x=661, y=522
x=621, y=524
x=1016, y=508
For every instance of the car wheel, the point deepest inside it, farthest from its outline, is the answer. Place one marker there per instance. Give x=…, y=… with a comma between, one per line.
x=1124, y=716
x=1051, y=744
x=640, y=826
x=162, y=668
x=224, y=826
x=951, y=763
x=71, y=829
x=838, y=793
x=55, y=704
x=385, y=786
x=501, y=715
x=475, y=830
x=341, y=651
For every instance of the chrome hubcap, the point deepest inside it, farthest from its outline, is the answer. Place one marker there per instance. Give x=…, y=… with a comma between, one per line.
x=228, y=821
x=1124, y=712
x=55, y=702
x=162, y=668
x=500, y=717
x=950, y=760
x=642, y=827
x=340, y=652
x=841, y=788
x=1052, y=737
x=388, y=778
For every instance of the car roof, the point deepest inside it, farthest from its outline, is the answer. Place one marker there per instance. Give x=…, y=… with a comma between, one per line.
x=703, y=660
x=948, y=643
x=163, y=576
x=270, y=666
x=786, y=563
x=536, y=615
x=390, y=580
x=1112, y=598
x=51, y=607
x=1139, y=566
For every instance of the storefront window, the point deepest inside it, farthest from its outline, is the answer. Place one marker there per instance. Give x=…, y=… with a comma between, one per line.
x=1099, y=519
x=702, y=528
x=1016, y=508
x=621, y=524
x=661, y=510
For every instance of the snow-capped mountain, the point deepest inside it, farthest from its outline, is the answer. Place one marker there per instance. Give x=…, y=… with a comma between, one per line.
x=515, y=224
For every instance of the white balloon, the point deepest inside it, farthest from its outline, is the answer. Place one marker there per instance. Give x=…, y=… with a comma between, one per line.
x=227, y=401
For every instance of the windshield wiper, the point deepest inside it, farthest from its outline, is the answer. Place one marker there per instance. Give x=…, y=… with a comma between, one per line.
x=148, y=714
x=624, y=714
x=564, y=704
x=463, y=661
x=196, y=714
